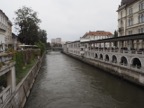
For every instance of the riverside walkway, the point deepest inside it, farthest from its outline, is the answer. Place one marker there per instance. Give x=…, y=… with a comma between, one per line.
x=64, y=82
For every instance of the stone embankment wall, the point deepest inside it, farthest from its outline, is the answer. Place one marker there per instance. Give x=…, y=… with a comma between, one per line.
x=127, y=74
x=22, y=91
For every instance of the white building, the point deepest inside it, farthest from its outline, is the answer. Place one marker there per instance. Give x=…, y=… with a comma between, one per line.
x=131, y=17
x=96, y=35
x=72, y=47
x=5, y=31
x=56, y=41
x=52, y=41
x=15, y=41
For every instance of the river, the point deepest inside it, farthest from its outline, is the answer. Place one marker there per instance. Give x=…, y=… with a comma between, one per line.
x=64, y=82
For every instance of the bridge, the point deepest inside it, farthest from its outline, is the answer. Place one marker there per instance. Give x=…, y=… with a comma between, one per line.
x=56, y=48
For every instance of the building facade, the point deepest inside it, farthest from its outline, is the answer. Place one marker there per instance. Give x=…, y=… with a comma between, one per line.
x=52, y=41
x=8, y=38
x=57, y=42
x=72, y=47
x=5, y=31
x=15, y=41
x=131, y=17
x=96, y=35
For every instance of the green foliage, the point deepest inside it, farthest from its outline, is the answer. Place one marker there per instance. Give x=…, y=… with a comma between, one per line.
x=3, y=81
x=19, y=58
x=24, y=61
x=43, y=36
x=27, y=25
x=22, y=73
x=48, y=45
x=1, y=64
x=42, y=46
x=115, y=34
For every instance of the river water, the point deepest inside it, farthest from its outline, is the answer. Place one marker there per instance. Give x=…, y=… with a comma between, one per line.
x=64, y=82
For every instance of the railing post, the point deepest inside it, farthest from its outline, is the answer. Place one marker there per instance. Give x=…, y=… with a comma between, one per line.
x=11, y=78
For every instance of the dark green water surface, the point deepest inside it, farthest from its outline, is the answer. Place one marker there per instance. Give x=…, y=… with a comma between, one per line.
x=64, y=82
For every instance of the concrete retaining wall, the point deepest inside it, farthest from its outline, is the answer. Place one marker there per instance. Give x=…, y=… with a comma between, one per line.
x=19, y=96
x=128, y=74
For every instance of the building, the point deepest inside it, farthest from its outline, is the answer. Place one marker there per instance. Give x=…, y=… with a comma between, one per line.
x=56, y=41
x=72, y=47
x=8, y=38
x=96, y=35
x=130, y=17
x=15, y=41
x=52, y=41
x=5, y=31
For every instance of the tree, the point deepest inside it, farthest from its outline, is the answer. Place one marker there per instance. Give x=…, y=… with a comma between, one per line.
x=115, y=34
x=48, y=45
x=42, y=36
x=27, y=24
x=42, y=46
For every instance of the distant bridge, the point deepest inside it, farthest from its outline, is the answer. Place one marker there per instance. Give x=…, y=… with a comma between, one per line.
x=56, y=48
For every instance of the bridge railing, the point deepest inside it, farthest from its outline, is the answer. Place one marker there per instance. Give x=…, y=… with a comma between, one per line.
x=141, y=52
x=5, y=94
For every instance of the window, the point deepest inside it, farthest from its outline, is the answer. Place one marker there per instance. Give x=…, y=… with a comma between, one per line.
x=141, y=18
x=121, y=23
x=141, y=5
x=96, y=37
x=121, y=14
x=130, y=32
x=130, y=11
x=130, y=21
x=141, y=30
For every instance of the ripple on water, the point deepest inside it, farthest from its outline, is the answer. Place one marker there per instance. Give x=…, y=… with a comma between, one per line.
x=64, y=82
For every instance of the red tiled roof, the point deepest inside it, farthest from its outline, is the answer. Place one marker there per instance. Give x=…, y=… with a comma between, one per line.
x=98, y=33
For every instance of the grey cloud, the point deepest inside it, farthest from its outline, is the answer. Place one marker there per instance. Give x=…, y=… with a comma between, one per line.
x=69, y=19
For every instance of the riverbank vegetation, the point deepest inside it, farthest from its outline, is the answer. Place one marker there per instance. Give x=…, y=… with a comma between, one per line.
x=29, y=33
x=25, y=59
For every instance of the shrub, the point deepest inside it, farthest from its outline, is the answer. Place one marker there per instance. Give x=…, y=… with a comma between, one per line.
x=23, y=60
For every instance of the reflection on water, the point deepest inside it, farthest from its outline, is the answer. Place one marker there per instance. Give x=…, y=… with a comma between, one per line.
x=64, y=82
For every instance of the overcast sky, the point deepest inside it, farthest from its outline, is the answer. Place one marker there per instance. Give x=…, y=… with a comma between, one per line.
x=68, y=19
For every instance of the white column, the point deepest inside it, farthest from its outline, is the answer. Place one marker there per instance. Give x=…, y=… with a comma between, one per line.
x=129, y=44
x=11, y=78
